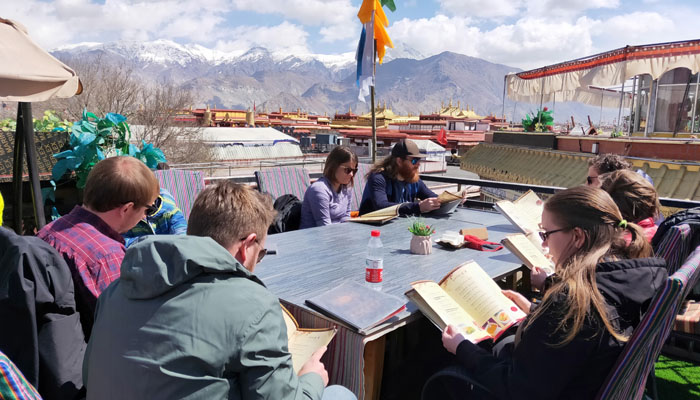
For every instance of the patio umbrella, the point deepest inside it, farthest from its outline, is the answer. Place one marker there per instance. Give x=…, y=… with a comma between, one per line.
x=29, y=74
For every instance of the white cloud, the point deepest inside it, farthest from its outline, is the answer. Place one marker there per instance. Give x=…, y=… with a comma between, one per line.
x=285, y=37
x=337, y=18
x=482, y=8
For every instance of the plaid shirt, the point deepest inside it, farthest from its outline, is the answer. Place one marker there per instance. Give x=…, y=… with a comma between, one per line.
x=93, y=252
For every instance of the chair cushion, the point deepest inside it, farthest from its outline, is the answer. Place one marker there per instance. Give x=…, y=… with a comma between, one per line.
x=688, y=319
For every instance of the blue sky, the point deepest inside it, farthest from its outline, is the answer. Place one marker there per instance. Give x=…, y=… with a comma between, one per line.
x=519, y=33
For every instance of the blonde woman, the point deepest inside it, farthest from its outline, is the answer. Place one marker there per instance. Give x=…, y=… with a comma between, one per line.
x=568, y=344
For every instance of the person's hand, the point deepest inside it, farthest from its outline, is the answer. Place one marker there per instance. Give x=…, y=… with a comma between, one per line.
x=315, y=365
x=537, y=278
x=429, y=204
x=518, y=299
x=451, y=338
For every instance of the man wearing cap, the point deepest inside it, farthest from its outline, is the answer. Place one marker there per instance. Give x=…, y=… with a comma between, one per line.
x=395, y=180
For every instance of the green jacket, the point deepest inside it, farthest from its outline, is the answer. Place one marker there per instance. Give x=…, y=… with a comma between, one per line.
x=187, y=321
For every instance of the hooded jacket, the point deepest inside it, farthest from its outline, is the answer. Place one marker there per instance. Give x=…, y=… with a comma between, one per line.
x=187, y=321
x=577, y=370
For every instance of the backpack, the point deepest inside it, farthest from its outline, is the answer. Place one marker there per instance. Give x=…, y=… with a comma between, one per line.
x=288, y=218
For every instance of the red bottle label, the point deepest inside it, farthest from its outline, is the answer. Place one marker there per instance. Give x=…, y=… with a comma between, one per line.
x=373, y=275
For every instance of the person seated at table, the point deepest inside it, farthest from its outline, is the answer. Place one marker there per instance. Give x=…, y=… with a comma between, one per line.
x=396, y=180
x=636, y=198
x=604, y=163
x=189, y=319
x=327, y=201
x=568, y=344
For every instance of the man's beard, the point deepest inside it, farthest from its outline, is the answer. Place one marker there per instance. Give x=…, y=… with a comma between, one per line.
x=408, y=174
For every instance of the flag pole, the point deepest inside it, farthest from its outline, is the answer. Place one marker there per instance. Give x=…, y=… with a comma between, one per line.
x=374, y=116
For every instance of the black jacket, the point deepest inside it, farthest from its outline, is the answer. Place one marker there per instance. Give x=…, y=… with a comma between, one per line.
x=577, y=370
x=41, y=331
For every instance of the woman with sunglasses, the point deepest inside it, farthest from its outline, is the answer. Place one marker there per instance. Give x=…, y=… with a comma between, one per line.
x=327, y=201
x=568, y=343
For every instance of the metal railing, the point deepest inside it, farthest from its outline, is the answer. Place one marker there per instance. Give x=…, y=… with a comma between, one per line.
x=665, y=201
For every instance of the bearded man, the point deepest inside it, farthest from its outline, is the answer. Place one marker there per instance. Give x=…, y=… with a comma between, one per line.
x=396, y=180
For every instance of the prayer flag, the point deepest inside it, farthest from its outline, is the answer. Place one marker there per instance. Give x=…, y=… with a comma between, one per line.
x=442, y=137
x=365, y=58
x=389, y=4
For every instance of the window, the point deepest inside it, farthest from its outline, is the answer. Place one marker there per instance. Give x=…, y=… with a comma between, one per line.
x=675, y=101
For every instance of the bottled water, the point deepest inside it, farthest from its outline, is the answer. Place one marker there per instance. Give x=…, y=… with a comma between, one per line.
x=374, y=263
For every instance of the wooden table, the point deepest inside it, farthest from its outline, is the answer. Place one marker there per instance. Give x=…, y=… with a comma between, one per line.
x=311, y=261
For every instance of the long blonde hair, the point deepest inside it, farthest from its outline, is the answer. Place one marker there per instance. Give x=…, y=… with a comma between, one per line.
x=594, y=212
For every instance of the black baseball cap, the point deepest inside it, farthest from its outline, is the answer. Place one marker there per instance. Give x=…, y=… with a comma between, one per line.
x=406, y=148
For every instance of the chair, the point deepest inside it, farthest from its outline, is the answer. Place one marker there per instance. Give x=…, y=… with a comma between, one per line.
x=13, y=385
x=360, y=180
x=674, y=246
x=183, y=185
x=629, y=374
x=283, y=180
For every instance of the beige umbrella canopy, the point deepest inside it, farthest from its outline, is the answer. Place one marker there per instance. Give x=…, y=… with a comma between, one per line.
x=29, y=74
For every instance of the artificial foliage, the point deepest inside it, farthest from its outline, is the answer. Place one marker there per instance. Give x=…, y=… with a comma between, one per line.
x=540, y=121
x=420, y=228
x=93, y=139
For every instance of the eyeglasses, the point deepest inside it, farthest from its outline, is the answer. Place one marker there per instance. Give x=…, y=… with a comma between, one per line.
x=544, y=235
x=261, y=254
x=590, y=179
x=348, y=170
x=152, y=210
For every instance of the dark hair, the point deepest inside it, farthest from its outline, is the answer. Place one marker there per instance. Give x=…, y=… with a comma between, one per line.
x=635, y=196
x=594, y=212
x=608, y=162
x=118, y=180
x=227, y=212
x=339, y=155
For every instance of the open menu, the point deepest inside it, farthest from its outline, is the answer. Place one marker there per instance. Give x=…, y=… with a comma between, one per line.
x=378, y=216
x=303, y=343
x=448, y=203
x=470, y=300
x=525, y=212
x=530, y=254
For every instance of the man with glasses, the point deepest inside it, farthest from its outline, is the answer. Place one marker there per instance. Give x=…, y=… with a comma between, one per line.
x=396, y=180
x=117, y=195
x=189, y=319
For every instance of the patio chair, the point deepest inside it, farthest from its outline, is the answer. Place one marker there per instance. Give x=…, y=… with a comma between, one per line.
x=628, y=377
x=358, y=188
x=184, y=185
x=283, y=180
x=674, y=247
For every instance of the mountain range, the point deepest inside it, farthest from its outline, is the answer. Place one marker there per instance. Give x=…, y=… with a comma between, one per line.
x=407, y=81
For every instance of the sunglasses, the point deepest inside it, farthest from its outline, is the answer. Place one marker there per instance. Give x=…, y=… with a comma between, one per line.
x=544, y=235
x=348, y=170
x=414, y=160
x=261, y=254
x=152, y=210
x=590, y=179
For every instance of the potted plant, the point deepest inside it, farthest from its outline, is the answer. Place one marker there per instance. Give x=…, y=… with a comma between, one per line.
x=421, y=241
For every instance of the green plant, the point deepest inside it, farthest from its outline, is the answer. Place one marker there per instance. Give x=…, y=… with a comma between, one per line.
x=540, y=121
x=419, y=228
x=93, y=139
x=48, y=123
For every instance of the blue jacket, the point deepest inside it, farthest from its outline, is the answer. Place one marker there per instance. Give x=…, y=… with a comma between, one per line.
x=168, y=220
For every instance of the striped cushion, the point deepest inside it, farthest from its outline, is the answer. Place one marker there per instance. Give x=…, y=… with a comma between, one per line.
x=359, y=185
x=688, y=320
x=13, y=385
x=183, y=185
x=628, y=377
x=673, y=247
x=283, y=180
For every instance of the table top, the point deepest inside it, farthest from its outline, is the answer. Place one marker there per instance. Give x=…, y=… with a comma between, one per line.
x=311, y=261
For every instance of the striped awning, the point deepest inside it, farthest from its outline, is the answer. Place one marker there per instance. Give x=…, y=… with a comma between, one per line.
x=579, y=79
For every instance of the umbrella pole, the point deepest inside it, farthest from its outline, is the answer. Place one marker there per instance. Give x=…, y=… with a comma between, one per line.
x=374, y=116
x=32, y=165
x=17, y=167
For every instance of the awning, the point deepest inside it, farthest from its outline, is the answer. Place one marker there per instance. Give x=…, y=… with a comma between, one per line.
x=575, y=80
x=27, y=72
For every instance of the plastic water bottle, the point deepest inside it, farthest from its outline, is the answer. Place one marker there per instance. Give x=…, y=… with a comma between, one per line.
x=374, y=263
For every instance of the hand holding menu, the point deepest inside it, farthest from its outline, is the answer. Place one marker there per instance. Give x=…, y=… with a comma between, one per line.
x=378, y=216
x=304, y=342
x=468, y=299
